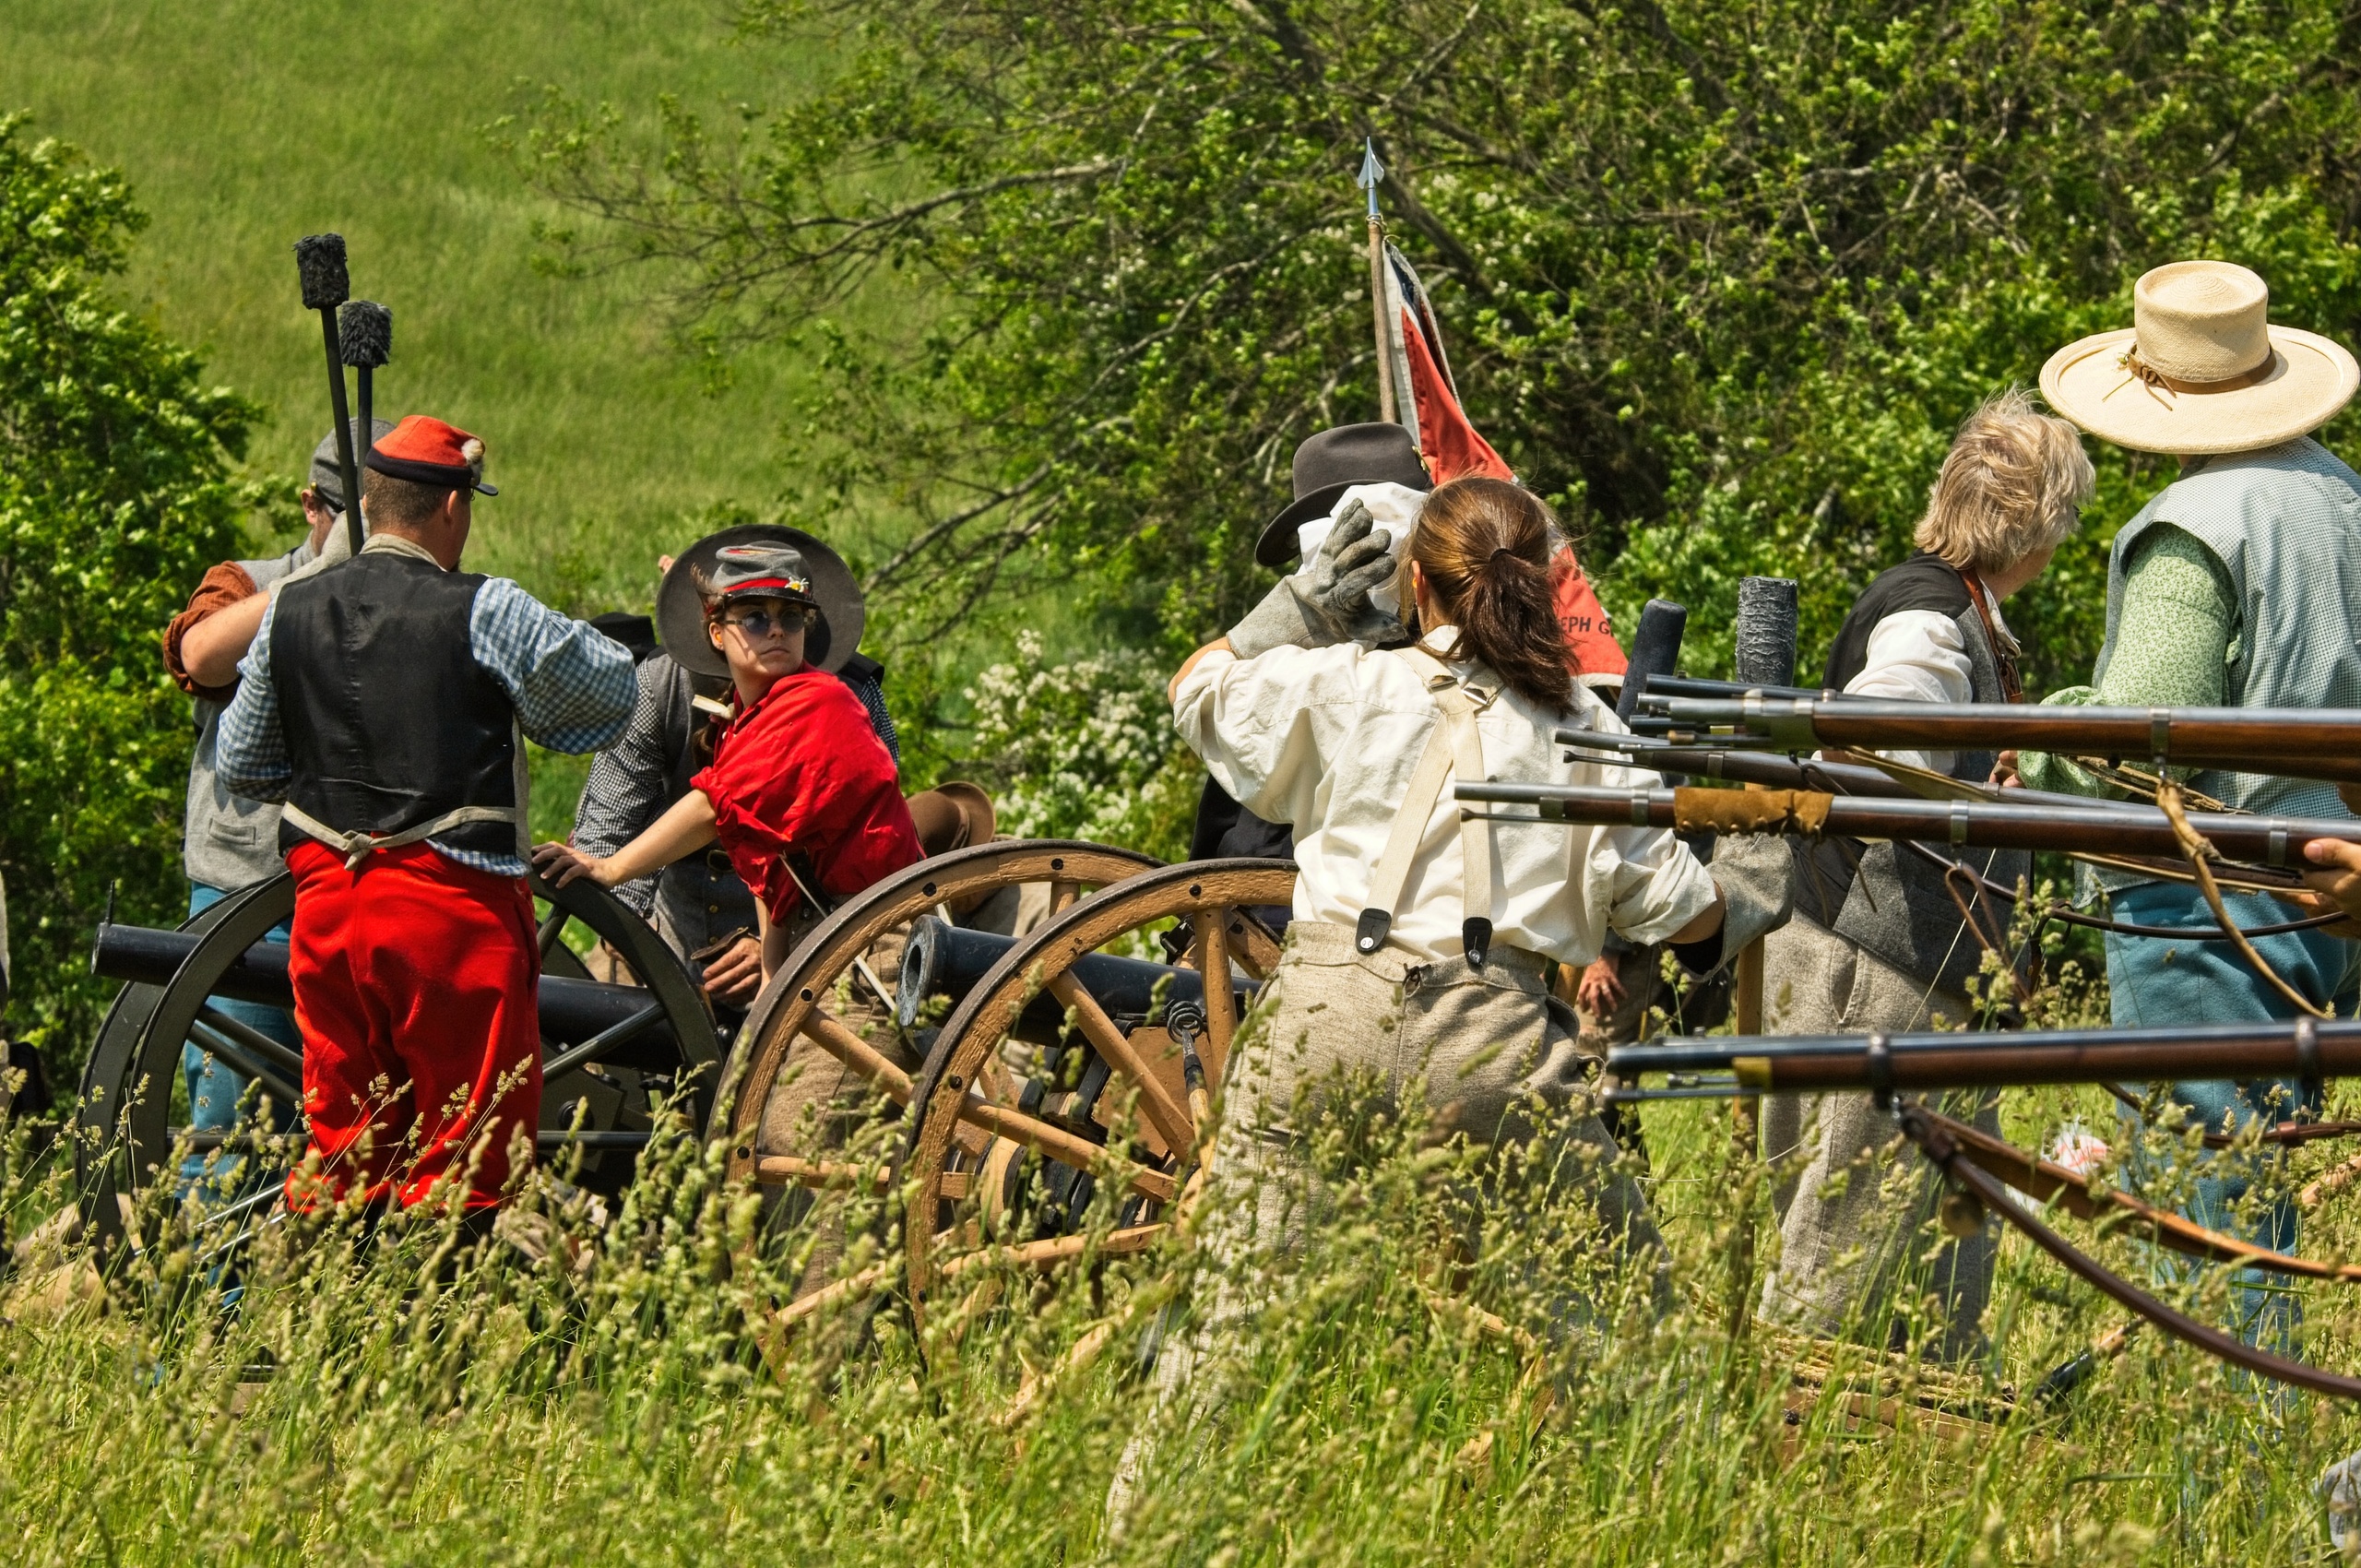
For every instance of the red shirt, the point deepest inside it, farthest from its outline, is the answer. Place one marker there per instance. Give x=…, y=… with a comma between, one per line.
x=801, y=770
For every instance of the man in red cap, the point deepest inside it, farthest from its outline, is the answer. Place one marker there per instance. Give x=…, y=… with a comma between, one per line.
x=386, y=702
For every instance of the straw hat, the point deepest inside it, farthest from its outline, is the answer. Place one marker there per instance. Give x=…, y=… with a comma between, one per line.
x=2202, y=370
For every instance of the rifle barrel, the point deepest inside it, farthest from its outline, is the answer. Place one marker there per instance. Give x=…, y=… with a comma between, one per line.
x=1958, y=1061
x=2297, y=742
x=2123, y=829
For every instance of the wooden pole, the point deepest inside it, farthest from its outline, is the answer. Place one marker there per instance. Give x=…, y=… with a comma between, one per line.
x=1385, y=398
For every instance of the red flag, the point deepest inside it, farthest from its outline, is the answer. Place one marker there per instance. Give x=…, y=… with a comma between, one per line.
x=1591, y=647
x=1427, y=400
x=1448, y=443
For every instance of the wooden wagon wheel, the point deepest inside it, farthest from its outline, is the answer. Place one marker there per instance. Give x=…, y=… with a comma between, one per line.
x=1165, y=1066
x=610, y=1052
x=832, y=967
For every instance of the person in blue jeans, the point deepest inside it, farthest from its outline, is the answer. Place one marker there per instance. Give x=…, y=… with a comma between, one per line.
x=231, y=842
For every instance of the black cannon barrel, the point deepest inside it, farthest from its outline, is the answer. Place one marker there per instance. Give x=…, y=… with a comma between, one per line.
x=1956, y=1061
x=572, y=1010
x=947, y=960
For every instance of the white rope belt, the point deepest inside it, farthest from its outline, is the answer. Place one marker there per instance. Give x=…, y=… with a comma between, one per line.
x=358, y=846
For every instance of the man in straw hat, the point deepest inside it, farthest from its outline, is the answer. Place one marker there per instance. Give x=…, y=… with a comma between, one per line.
x=386, y=703
x=2238, y=585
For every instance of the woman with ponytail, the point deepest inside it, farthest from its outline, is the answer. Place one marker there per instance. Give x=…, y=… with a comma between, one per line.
x=1399, y=963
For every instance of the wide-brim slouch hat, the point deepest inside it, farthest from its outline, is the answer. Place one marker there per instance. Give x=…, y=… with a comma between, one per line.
x=835, y=634
x=2202, y=370
x=1329, y=464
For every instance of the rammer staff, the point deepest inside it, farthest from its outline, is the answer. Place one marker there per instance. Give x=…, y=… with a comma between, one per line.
x=320, y=265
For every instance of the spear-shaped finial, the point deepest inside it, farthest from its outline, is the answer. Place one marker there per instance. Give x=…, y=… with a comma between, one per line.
x=1372, y=172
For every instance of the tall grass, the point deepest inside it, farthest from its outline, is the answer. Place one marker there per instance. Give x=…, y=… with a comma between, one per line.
x=245, y=124
x=374, y=1399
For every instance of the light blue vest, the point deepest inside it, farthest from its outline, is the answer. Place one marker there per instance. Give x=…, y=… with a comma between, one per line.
x=2286, y=523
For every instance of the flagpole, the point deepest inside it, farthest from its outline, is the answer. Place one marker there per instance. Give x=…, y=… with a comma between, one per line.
x=1372, y=172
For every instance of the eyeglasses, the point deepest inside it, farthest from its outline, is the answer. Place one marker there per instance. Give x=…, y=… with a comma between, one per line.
x=754, y=624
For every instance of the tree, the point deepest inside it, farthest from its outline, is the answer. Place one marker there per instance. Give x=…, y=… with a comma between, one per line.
x=115, y=497
x=1722, y=275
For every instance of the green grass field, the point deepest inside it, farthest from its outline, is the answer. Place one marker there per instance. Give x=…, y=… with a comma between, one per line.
x=615, y=1408
x=246, y=124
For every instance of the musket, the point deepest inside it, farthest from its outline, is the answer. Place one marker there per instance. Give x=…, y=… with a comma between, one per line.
x=1777, y=770
x=2323, y=743
x=2306, y=1049
x=2121, y=832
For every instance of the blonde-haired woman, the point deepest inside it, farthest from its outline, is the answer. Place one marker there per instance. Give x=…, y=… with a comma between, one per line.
x=1877, y=942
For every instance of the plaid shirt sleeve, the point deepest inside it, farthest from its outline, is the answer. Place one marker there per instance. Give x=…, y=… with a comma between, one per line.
x=571, y=683
x=872, y=697
x=250, y=755
x=626, y=788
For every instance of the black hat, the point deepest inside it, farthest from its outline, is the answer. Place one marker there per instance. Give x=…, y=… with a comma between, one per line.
x=835, y=635
x=636, y=633
x=1330, y=463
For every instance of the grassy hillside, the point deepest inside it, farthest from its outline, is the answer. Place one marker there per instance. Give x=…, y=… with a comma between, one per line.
x=245, y=124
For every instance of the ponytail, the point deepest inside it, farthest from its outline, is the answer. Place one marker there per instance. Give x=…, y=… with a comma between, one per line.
x=1483, y=545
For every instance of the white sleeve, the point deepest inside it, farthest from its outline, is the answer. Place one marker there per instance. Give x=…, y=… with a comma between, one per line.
x=1916, y=656
x=1262, y=725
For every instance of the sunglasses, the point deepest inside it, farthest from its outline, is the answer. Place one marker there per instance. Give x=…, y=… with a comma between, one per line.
x=764, y=622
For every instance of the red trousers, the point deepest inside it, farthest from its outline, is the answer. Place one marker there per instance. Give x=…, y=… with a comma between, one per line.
x=418, y=991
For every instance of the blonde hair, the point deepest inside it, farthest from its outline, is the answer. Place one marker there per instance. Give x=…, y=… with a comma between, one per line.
x=2012, y=485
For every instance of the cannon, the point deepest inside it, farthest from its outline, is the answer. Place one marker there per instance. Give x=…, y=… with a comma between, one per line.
x=943, y=960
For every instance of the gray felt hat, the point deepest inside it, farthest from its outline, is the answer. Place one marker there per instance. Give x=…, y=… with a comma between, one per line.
x=326, y=477
x=763, y=560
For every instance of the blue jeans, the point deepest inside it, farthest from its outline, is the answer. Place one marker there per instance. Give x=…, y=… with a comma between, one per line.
x=2158, y=982
x=214, y=1086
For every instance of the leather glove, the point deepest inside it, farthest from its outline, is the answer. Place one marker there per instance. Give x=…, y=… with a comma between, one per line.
x=1335, y=589
x=1328, y=602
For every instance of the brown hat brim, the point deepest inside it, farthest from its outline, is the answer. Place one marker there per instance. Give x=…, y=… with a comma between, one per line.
x=834, y=639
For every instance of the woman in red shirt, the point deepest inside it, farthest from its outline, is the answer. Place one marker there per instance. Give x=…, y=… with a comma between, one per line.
x=800, y=786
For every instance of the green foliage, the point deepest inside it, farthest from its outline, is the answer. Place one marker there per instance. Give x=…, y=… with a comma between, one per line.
x=114, y=498
x=1721, y=276
x=1084, y=750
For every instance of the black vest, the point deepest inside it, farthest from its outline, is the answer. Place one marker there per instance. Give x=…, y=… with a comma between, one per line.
x=390, y=721
x=1888, y=899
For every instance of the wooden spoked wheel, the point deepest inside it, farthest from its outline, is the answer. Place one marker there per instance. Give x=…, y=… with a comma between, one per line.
x=1164, y=1066
x=837, y=989
x=612, y=1053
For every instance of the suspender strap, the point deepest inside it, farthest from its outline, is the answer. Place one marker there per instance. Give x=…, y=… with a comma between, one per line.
x=358, y=846
x=1454, y=748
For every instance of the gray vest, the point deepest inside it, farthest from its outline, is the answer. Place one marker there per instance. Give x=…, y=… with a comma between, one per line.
x=2285, y=524
x=228, y=841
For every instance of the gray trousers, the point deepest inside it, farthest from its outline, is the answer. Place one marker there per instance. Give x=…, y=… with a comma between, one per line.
x=1850, y=1216
x=1485, y=1054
